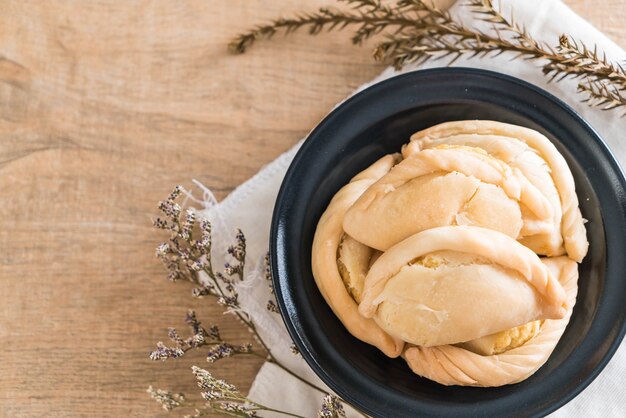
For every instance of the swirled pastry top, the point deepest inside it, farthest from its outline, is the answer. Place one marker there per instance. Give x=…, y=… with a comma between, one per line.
x=476, y=364
x=482, y=282
x=447, y=185
x=546, y=169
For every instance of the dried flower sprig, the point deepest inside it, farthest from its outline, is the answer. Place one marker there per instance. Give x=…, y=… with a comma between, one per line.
x=602, y=94
x=370, y=17
x=267, y=273
x=331, y=408
x=225, y=399
x=188, y=258
x=418, y=31
x=167, y=400
x=199, y=338
x=218, y=349
x=294, y=349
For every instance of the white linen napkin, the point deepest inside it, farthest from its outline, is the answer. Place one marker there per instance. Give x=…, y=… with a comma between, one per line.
x=249, y=207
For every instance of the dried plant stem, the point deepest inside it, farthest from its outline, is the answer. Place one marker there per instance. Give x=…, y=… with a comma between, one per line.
x=250, y=325
x=420, y=31
x=225, y=399
x=371, y=17
x=186, y=256
x=269, y=357
x=259, y=407
x=600, y=94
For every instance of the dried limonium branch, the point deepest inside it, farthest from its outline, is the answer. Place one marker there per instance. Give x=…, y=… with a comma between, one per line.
x=225, y=399
x=331, y=408
x=416, y=31
x=294, y=349
x=187, y=256
x=218, y=349
x=267, y=273
x=190, y=259
x=167, y=400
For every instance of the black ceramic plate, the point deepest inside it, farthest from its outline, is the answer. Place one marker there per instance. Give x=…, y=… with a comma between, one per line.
x=378, y=121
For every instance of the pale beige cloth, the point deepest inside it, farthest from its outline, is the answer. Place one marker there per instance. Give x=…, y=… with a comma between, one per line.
x=250, y=206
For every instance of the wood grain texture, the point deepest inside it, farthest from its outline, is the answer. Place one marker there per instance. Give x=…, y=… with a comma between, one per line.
x=104, y=106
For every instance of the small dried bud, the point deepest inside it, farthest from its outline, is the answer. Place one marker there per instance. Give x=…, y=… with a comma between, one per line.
x=232, y=270
x=224, y=350
x=163, y=249
x=205, y=241
x=196, y=340
x=214, y=332
x=267, y=271
x=188, y=224
x=229, y=301
x=175, y=193
x=163, y=352
x=220, y=351
x=168, y=400
x=238, y=251
x=173, y=335
x=170, y=209
x=236, y=409
x=199, y=292
x=272, y=307
x=192, y=321
x=331, y=408
x=197, y=265
x=203, y=244
x=160, y=223
x=206, y=381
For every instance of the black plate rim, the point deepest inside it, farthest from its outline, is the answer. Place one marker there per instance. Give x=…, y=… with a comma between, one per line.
x=277, y=217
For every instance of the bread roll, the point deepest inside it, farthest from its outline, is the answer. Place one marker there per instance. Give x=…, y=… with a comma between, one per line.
x=435, y=254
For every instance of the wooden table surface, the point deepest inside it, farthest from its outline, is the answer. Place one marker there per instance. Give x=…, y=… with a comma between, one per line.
x=104, y=107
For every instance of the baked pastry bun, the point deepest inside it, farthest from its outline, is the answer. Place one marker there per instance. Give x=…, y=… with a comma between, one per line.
x=453, y=284
x=539, y=161
x=337, y=288
x=460, y=254
x=467, y=366
x=448, y=185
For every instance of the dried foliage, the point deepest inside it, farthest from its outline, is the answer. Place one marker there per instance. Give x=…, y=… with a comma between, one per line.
x=331, y=408
x=416, y=31
x=187, y=256
x=167, y=400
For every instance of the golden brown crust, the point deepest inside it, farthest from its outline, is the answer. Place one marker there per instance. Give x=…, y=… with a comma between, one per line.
x=572, y=224
x=466, y=368
x=324, y=262
x=482, y=242
x=484, y=274
x=504, y=340
x=437, y=187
